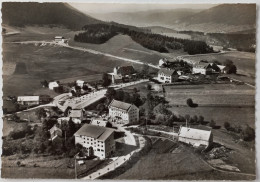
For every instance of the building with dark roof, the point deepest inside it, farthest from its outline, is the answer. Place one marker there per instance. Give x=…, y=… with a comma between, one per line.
x=202, y=68
x=166, y=75
x=98, y=140
x=122, y=73
x=122, y=112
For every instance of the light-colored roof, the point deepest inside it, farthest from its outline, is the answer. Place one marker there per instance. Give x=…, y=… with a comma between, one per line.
x=53, y=84
x=201, y=65
x=55, y=128
x=195, y=133
x=97, y=132
x=79, y=81
x=221, y=67
x=167, y=71
x=27, y=98
x=59, y=37
x=77, y=113
x=99, y=122
x=120, y=105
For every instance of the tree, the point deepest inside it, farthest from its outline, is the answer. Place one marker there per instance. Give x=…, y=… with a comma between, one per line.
x=227, y=125
x=248, y=133
x=110, y=94
x=212, y=124
x=201, y=119
x=230, y=67
x=145, y=70
x=195, y=118
x=189, y=102
x=100, y=107
x=106, y=80
x=149, y=86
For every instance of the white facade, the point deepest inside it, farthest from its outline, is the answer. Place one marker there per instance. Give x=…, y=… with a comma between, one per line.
x=28, y=100
x=199, y=70
x=101, y=146
x=60, y=39
x=80, y=83
x=166, y=75
x=195, y=137
x=128, y=113
x=52, y=85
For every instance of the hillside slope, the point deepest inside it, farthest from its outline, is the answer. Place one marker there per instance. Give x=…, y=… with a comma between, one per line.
x=31, y=13
x=221, y=18
x=147, y=18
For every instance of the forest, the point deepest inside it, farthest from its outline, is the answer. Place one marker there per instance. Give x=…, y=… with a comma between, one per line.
x=100, y=33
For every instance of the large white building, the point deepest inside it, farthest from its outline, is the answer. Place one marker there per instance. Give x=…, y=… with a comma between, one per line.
x=98, y=140
x=166, y=75
x=123, y=112
x=28, y=100
x=202, y=68
x=195, y=136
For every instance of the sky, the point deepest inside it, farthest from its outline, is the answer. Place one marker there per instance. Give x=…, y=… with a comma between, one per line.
x=116, y=7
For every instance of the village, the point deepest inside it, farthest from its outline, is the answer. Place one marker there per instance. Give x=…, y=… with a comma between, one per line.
x=114, y=121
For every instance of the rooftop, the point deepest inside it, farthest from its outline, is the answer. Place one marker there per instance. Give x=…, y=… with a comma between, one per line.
x=75, y=113
x=167, y=71
x=28, y=98
x=197, y=133
x=120, y=105
x=201, y=65
x=97, y=132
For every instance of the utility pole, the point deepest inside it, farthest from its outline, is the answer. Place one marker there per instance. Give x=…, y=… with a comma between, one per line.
x=75, y=166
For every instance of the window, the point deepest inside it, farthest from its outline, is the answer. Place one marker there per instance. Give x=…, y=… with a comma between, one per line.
x=98, y=149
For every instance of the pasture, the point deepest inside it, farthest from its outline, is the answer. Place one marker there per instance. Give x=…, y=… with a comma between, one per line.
x=220, y=102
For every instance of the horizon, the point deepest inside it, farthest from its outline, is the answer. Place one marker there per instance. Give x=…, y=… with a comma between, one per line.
x=130, y=7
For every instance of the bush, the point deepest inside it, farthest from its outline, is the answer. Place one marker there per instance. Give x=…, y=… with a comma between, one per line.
x=212, y=124
x=227, y=125
x=248, y=134
x=189, y=102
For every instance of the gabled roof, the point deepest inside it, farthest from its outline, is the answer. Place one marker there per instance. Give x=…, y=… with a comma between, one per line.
x=120, y=105
x=55, y=128
x=198, y=133
x=27, y=98
x=54, y=84
x=97, y=132
x=167, y=72
x=79, y=81
x=202, y=65
x=77, y=113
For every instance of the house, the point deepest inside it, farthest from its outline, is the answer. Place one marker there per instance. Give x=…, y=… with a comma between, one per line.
x=166, y=75
x=63, y=120
x=55, y=132
x=60, y=39
x=122, y=112
x=196, y=136
x=222, y=68
x=122, y=73
x=99, y=141
x=99, y=122
x=28, y=100
x=163, y=62
x=80, y=83
x=76, y=115
x=202, y=68
x=52, y=85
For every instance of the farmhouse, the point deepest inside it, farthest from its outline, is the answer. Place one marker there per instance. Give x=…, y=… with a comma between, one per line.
x=195, y=136
x=55, y=132
x=99, y=122
x=99, y=141
x=123, y=73
x=222, y=68
x=80, y=83
x=202, y=68
x=52, y=85
x=60, y=39
x=166, y=75
x=76, y=115
x=122, y=112
x=28, y=100
x=163, y=62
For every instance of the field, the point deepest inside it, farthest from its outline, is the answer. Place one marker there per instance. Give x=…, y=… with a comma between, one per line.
x=220, y=102
x=48, y=167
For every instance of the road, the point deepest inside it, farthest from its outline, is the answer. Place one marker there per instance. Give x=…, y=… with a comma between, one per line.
x=86, y=50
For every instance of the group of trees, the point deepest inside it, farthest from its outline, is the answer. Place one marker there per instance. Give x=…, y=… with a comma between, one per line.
x=121, y=95
x=230, y=67
x=100, y=33
x=246, y=133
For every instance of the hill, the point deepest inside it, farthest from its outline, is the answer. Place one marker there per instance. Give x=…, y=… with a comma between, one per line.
x=147, y=18
x=221, y=18
x=41, y=14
